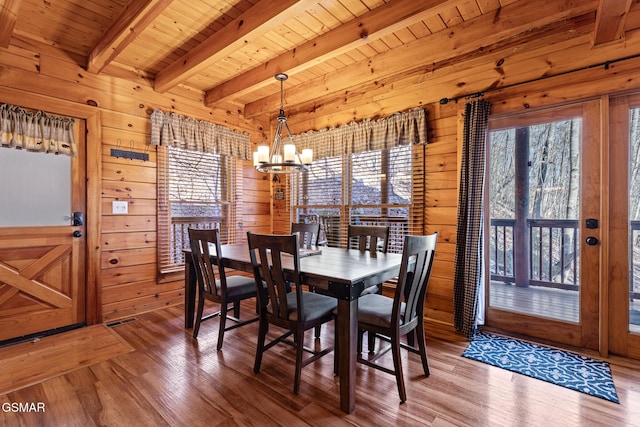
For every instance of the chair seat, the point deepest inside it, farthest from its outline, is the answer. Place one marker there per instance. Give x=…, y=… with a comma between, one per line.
x=375, y=309
x=240, y=286
x=370, y=290
x=316, y=306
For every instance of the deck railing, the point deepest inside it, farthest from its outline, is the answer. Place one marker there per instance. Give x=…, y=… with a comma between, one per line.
x=398, y=228
x=553, y=249
x=180, y=234
x=331, y=233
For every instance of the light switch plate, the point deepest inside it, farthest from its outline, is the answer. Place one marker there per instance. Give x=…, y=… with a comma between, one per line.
x=119, y=208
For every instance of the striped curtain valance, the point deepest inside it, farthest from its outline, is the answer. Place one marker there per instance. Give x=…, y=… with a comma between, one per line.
x=190, y=134
x=366, y=135
x=36, y=131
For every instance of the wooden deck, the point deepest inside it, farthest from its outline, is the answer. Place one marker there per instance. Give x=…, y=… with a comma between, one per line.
x=547, y=302
x=172, y=380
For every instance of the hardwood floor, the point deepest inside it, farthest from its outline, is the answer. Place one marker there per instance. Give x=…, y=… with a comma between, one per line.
x=31, y=362
x=172, y=380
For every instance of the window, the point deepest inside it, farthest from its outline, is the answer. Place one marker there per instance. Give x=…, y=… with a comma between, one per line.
x=194, y=190
x=379, y=187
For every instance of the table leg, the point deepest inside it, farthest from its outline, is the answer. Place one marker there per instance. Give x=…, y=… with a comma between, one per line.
x=189, y=292
x=347, y=347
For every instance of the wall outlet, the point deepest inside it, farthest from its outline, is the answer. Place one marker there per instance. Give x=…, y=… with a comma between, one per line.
x=119, y=208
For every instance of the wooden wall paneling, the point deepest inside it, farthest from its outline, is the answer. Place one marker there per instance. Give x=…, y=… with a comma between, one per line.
x=129, y=222
x=133, y=290
x=446, y=233
x=57, y=83
x=257, y=201
x=441, y=215
x=113, y=138
x=440, y=286
x=441, y=180
x=131, y=307
x=21, y=59
x=133, y=273
x=125, y=240
x=620, y=76
x=128, y=257
x=131, y=171
x=140, y=99
x=256, y=209
x=257, y=191
x=438, y=308
x=137, y=264
x=130, y=190
x=440, y=198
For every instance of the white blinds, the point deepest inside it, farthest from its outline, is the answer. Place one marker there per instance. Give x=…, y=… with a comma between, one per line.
x=380, y=187
x=194, y=191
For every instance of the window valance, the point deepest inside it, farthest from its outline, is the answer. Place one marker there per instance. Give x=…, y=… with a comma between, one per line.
x=36, y=131
x=366, y=135
x=190, y=134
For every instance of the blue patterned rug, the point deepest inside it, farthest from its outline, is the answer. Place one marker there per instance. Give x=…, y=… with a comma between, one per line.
x=558, y=367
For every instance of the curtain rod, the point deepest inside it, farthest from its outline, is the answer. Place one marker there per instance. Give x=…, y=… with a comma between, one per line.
x=605, y=64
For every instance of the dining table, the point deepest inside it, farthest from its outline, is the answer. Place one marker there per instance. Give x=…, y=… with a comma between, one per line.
x=338, y=272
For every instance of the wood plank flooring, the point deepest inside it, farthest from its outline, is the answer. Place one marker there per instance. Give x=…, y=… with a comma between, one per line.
x=172, y=380
x=34, y=361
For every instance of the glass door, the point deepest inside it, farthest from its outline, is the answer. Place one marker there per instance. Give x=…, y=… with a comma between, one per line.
x=543, y=224
x=624, y=214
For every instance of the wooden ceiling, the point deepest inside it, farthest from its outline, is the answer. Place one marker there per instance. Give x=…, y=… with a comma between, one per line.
x=230, y=50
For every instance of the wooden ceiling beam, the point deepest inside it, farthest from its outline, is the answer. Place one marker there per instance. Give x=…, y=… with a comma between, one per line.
x=382, y=21
x=610, y=18
x=135, y=17
x=263, y=17
x=519, y=60
x=473, y=35
x=8, y=17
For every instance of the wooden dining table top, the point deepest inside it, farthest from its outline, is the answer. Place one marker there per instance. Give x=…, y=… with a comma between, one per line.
x=332, y=265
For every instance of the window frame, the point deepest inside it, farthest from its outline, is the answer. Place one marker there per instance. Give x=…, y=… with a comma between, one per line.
x=167, y=227
x=344, y=210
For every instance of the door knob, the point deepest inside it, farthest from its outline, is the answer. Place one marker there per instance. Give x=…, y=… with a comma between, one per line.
x=591, y=241
x=77, y=233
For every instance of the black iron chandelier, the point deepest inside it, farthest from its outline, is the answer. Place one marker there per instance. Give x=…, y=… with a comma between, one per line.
x=283, y=157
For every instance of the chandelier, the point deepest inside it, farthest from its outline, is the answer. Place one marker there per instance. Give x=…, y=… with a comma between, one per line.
x=283, y=156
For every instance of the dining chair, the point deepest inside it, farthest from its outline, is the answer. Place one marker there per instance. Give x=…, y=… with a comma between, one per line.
x=372, y=238
x=289, y=308
x=214, y=285
x=390, y=319
x=308, y=234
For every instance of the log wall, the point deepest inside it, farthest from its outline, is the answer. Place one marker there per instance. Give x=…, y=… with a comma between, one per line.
x=125, y=267
x=545, y=72
x=127, y=243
